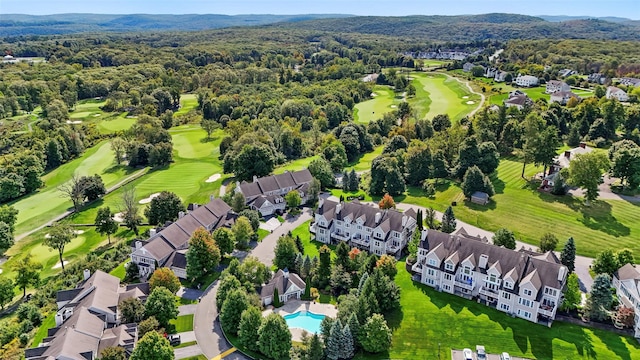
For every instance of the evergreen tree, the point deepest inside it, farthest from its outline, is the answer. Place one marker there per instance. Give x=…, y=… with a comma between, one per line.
x=315, y=350
x=334, y=342
x=363, y=280
x=250, y=322
x=342, y=256
x=306, y=269
x=347, y=350
x=600, y=298
x=572, y=296
x=354, y=181
x=299, y=245
x=276, y=298
x=345, y=181
x=307, y=291
x=298, y=263
x=419, y=220
x=274, y=337
x=605, y=263
x=568, y=255
x=448, y=221
x=324, y=268
x=354, y=327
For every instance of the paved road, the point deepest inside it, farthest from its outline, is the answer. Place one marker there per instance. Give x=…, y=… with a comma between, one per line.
x=205, y=324
x=605, y=193
x=187, y=309
x=187, y=352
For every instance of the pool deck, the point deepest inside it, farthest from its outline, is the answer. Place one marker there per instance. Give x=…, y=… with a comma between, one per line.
x=294, y=305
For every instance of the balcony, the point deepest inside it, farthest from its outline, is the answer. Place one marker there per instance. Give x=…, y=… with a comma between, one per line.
x=468, y=284
x=547, y=309
x=340, y=236
x=312, y=228
x=489, y=291
x=392, y=249
x=359, y=240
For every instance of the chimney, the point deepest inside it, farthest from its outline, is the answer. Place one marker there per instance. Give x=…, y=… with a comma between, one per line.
x=561, y=273
x=255, y=178
x=320, y=201
x=180, y=214
x=378, y=217
x=338, y=208
x=86, y=274
x=404, y=220
x=583, y=145
x=59, y=319
x=152, y=232
x=482, y=264
x=567, y=154
x=138, y=245
x=211, y=197
x=286, y=273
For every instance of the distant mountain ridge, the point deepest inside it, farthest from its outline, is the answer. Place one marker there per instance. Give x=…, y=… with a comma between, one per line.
x=464, y=28
x=21, y=24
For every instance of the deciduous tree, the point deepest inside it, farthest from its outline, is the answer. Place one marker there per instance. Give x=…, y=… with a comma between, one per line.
x=548, y=242
x=129, y=209
x=74, y=191
x=6, y=237
x=59, y=236
x=27, y=273
x=376, y=335
x=153, y=346
x=243, y=232
x=163, y=208
x=387, y=202
x=274, y=337
x=250, y=322
x=131, y=310
x=476, y=180
x=285, y=252
x=105, y=224
x=161, y=304
x=9, y=216
x=238, y=202
x=231, y=311
x=293, y=199
x=320, y=169
x=113, y=353
x=203, y=255
x=605, y=263
x=572, y=295
x=164, y=277
x=504, y=237
x=6, y=291
x=225, y=239
x=585, y=171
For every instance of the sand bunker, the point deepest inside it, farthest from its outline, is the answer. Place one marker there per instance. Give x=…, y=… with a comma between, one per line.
x=58, y=266
x=78, y=232
x=470, y=102
x=148, y=200
x=465, y=97
x=213, y=178
x=394, y=106
x=74, y=122
x=118, y=217
x=96, y=115
x=374, y=94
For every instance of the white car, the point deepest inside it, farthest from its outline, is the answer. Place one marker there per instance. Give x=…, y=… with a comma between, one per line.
x=480, y=352
x=468, y=355
x=505, y=356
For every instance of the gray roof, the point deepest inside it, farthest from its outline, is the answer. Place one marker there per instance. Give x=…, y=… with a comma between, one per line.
x=275, y=182
x=519, y=100
x=521, y=265
x=390, y=219
x=282, y=283
x=480, y=195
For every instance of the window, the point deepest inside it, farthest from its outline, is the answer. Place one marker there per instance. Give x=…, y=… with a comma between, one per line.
x=524, y=314
x=527, y=292
x=446, y=287
x=432, y=262
x=504, y=307
x=550, y=291
x=466, y=270
x=506, y=295
x=449, y=266
x=430, y=281
x=396, y=234
x=347, y=225
x=447, y=277
x=359, y=227
x=493, y=278
x=431, y=272
x=508, y=284
x=525, y=302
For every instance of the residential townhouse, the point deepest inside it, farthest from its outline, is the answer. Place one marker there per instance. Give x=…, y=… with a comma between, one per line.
x=88, y=320
x=364, y=226
x=168, y=247
x=526, y=80
x=521, y=283
x=266, y=194
x=628, y=81
x=490, y=72
x=553, y=86
x=616, y=93
x=519, y=101
x=626, y=281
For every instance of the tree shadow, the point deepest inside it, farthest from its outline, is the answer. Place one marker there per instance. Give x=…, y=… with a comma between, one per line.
x=598, y=216
x=491, y=205
x=127, y=170
x=498, y=184
x=394, y=319
x=205, y=140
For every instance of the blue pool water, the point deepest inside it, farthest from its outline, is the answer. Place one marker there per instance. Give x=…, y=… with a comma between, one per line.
x=304, y=320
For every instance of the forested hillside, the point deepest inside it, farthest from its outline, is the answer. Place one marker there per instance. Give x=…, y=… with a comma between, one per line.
x=474, y=27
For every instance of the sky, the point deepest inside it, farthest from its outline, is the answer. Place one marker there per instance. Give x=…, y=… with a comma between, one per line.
x=595, y=8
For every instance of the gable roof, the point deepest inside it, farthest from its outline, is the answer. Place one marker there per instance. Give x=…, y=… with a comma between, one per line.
x=271, y=183
x=282, y=283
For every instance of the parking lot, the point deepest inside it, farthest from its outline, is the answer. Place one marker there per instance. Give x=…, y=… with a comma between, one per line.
x=457, y=355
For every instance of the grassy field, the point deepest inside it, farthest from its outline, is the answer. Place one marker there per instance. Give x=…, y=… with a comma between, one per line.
x=363, y=162
x=120, y=272
x=183, y=323
x=431, y=323
x=441, y=94
x=188, y=102
x=295, y=165
x=519, y=207
x=47, y=323
x=385, y=100
x=116, y=123
x=46, y=203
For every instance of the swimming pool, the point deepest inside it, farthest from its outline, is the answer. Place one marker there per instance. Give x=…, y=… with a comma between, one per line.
x=304, y=320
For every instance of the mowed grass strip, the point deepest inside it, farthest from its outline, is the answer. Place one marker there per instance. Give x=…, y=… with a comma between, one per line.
x=440, y=94
x=188, y=102
x=529, y=213
x=374, y=108
x=183, y=323
x=430, y=324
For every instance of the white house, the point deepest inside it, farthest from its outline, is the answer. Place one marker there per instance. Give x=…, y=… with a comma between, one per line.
x=500, y=76
x=522, y=283
x=627, y=81
x=562, y=161
x=289, y=286
x=490, y=72
x=562, y=97
x=364, y=226
x=616, y=93
x=526, y=80
x=266, y=194
x=554, y=86
x=626, y=281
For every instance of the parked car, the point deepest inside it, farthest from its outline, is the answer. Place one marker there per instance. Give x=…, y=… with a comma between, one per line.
x=482, y=355
x=468, y=355
x=174, y=340
x=505, y=356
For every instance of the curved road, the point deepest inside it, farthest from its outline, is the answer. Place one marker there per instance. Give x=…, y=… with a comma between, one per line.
x=205, y=323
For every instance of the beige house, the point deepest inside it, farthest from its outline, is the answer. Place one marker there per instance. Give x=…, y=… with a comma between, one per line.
x=168, y=247
x=554, y=86
x=526, y=80
x=522, y=283
x=563, y=97
x=88, y=320
x=363, y=226
x=289, y=286
x=616, y=93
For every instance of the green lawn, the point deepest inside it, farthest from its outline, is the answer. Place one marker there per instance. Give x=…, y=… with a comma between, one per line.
x=187, y=344
x=46, y=203
x=295, y=165
x=183, y=323
x=363, y=162
x=429, y=320
x=534, y=93
x=120, y=272
x=441, y=94
x=384, y=101
x=188, y=102
x=199, y=357
x=310, y=247
x=519, y=207
x=116, y=123
x=47, y=323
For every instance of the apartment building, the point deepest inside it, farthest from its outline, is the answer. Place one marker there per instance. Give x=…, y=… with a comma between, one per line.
x=522, y=283
x=626, y=281
x=364, y=226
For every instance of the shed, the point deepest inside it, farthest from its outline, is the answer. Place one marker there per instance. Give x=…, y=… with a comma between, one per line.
x=480, y=197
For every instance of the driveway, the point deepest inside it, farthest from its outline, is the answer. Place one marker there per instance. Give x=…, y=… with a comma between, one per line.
x=264, y=250
x=605, y=193
x=187, y=352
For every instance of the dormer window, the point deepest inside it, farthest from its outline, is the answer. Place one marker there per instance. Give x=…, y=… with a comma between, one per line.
x=508, y=284
x=432, y=262
x=527, y=292
x=449, y=266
